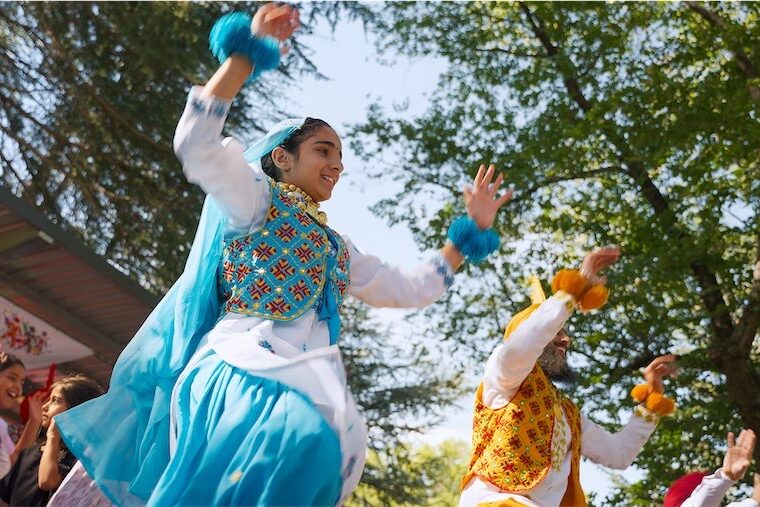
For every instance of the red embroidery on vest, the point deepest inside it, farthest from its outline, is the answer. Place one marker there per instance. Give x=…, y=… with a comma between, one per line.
x=240, y=243
x=264, y=251
x=317, y=238
x=286, y=232
x=228, y=271
x=242, y=271
x=303, y=253
x=282, y=270
x=272, y=213
x=300, y=291
x=259, y=289
x=278, y=306
x=315, y=272
x=303, y=218
x=237, y=301
x=342, y=287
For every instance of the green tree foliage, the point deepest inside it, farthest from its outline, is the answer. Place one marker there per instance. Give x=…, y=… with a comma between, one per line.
x=400, y=388
x=90, y=94
x=432, y=474
x=634, y=124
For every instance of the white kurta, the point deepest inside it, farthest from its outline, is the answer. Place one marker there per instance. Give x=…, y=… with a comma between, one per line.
x=297, y=352
x=506, y=369
x=711, y=491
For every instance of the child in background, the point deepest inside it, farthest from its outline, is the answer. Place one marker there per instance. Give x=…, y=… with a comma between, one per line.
x=12, y=374
x=41, y=468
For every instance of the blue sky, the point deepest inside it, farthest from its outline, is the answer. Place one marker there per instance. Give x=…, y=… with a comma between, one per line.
x=349, y=60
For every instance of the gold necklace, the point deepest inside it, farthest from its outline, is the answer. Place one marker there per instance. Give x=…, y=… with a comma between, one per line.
x=303, y=201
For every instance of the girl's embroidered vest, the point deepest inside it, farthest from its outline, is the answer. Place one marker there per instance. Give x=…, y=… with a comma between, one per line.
x=279, y=271
x=512, y=445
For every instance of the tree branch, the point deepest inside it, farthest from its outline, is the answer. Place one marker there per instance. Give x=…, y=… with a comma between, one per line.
x=77, y=78
x=518, y=54
x=10, y=167
x=636, y=363
x=742, y=60
x=711, y=293
x=557, y=179
x=571, y=83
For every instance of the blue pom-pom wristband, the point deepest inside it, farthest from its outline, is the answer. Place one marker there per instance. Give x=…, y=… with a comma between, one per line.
x=473, y=243
x=231, y=34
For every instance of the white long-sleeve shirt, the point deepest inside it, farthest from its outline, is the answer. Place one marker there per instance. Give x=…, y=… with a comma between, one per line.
x=711, y=491
x=506, y=369
x=218, y=166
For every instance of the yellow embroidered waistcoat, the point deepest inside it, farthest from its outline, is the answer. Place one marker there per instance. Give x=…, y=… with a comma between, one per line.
x=512, y=444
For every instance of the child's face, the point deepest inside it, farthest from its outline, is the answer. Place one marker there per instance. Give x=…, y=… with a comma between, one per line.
x=317, y=167
x=11, y=384
x=54, y=406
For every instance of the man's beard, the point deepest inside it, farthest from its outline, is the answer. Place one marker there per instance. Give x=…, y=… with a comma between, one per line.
x=555, y=365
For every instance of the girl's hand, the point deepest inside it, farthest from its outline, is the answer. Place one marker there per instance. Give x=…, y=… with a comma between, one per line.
x=52, y=431
x=36, y=401
x=278, y=21
x=481, y=201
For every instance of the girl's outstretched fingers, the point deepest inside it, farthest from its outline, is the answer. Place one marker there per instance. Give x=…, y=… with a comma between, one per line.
x=481, y=199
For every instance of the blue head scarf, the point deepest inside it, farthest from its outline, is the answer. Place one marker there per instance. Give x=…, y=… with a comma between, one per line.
x=122, y=437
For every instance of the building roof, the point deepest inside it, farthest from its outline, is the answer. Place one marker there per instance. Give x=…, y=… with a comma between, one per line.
x=51, y=274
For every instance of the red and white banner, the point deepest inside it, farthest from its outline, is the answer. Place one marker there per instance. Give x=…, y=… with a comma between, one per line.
x=33, y=340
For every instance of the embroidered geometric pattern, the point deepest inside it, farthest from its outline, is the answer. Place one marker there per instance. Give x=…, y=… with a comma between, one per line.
x=279, y=271
x=512, y=446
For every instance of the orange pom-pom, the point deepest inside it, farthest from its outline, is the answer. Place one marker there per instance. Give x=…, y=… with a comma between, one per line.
x=653, y=401
x=668, y=406
x=659, y=404
x=570, y=281
x=594, y=298
x=640, y=392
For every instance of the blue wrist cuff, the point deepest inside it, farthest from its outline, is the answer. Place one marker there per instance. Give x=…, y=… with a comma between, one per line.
x=231, y=34
x=472, y=242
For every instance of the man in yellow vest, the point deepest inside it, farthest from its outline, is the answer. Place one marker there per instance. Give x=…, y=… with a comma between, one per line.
x=527, y=436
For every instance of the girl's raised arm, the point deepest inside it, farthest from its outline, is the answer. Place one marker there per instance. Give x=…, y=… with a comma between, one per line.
x=271, y=20
x=246, y=48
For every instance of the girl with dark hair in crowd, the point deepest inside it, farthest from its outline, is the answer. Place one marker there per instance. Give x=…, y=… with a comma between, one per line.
x=234, y=392
x=12, y=375
x=41, y=468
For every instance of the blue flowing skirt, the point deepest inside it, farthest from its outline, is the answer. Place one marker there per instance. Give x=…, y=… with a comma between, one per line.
x=242, y=440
